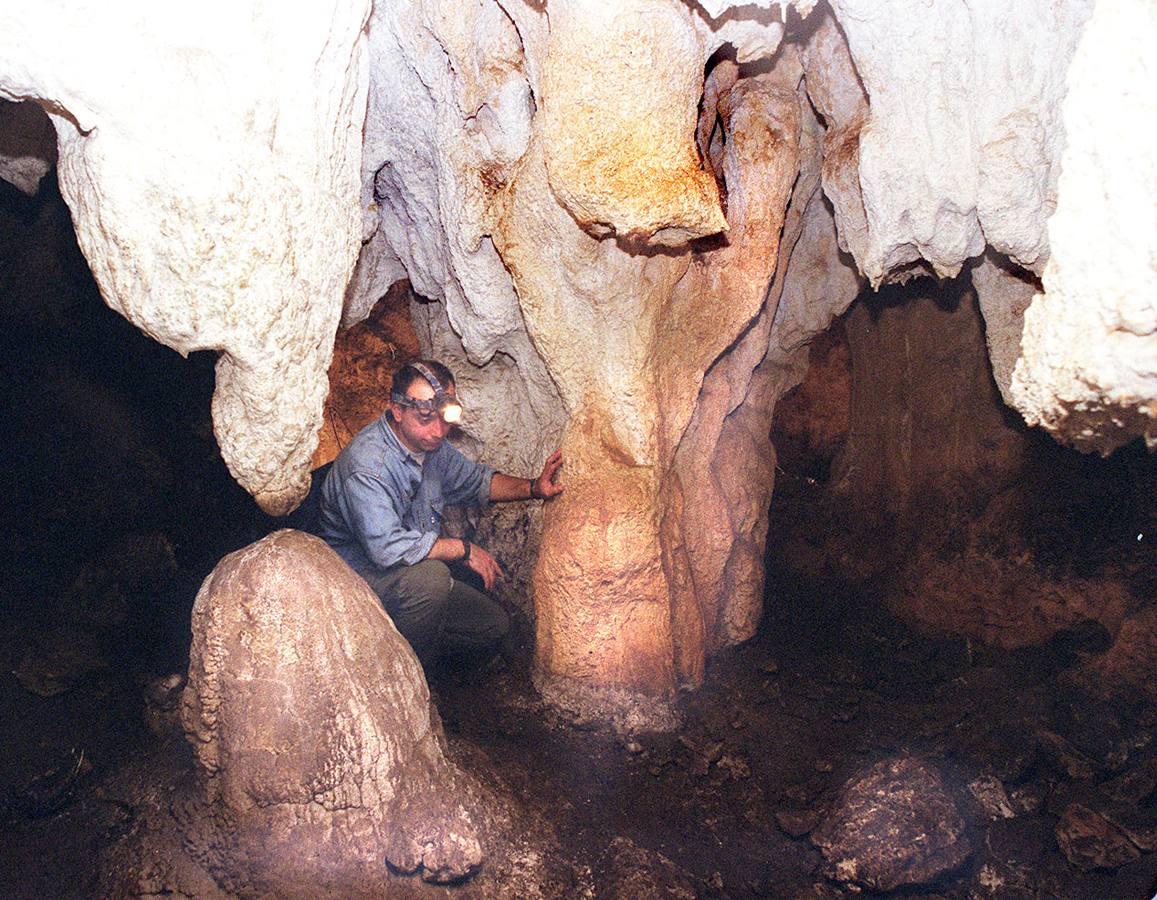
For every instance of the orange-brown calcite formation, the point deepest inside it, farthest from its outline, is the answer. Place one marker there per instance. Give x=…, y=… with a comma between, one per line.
x=629, y=579
x=365, y=358
x=607, y=622
x=621, y=85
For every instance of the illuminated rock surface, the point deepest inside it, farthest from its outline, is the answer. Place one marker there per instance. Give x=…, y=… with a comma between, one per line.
x=215, y=200
x=1088, y=369
x=311, y=724
x=960, y=144
x=894, y=825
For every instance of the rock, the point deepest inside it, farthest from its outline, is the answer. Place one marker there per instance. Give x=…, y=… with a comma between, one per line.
x=798, y=822
x=631, y=872
x=1004, y=292
x=1090, y=841
x=734, y=766
x=56, y=661
x=50, y=791
x=162, y=711
x=1010, y=862
x=918, y=354
x=1124, y=802
x=1004, y=603
x=310, y=719
x=241, y=235
x=838, y=94
x=1094, y=727
x=977, y=91
x=365, y=358
x=123, y=582
x=1005, y=750
x=1064, y=756
x=1127, y=671
x=542, y=207
x=1134, y=785
x=1029, y=798
x=990, y=794
x=619, y=134
x=892, y=826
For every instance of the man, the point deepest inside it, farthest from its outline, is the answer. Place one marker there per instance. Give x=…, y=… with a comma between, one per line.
x=381, y=510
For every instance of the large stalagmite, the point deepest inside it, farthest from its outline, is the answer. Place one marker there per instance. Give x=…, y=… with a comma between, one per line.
x=317, y=756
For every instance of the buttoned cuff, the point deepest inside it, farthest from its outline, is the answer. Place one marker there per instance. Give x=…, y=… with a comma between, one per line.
x=420, y=549
x=484, y=490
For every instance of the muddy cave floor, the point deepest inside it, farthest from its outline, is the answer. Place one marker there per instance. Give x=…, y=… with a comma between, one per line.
x=830, y=685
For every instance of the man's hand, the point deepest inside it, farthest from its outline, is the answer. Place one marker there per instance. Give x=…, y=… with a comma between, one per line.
x=485, y=565
x=544, y=486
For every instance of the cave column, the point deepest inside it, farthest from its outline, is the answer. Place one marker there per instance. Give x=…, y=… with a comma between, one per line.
x=614, y=172
x=628, y=316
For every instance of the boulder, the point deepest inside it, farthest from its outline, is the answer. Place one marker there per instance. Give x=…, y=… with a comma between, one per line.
x=893, y=825
x=1091, y=841
x=317, y=753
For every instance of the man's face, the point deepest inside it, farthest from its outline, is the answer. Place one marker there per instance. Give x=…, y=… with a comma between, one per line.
x=421, y=431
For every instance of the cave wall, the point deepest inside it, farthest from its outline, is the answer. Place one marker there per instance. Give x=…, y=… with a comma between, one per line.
x=927, y=431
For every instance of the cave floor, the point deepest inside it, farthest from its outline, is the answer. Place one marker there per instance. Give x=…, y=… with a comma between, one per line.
x=779, y=725
x=830, y=685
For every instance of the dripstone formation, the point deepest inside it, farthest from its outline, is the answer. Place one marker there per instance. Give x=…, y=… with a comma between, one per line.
x=625, y=220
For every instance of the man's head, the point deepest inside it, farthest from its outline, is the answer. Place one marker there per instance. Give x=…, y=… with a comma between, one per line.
x=423, y=404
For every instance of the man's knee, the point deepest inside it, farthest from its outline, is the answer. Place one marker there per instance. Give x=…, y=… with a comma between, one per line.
x=428, y=582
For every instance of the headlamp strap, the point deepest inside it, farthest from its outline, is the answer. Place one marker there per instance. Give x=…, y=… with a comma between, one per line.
x=421, y=368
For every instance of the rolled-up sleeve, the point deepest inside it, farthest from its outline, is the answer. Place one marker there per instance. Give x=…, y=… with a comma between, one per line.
x=372, y=505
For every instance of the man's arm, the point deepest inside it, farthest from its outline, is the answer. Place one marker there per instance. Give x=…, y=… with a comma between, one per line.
x=450, y=549
x=501, y=488
x=504, y=488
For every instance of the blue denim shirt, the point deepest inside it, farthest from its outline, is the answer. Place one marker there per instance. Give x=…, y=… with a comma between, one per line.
x=381, y=506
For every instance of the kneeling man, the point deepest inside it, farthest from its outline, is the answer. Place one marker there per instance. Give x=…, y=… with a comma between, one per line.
x=381, y=510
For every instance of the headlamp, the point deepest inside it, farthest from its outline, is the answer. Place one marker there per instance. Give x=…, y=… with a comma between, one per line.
x=441, y=404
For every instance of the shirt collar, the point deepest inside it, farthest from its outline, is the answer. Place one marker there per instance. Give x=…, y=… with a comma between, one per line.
x=392, y=440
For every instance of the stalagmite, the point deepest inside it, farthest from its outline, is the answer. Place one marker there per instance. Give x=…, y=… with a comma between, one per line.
x=317, y=757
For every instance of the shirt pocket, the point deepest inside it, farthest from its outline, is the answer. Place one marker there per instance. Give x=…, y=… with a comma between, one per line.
x=432, y=507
